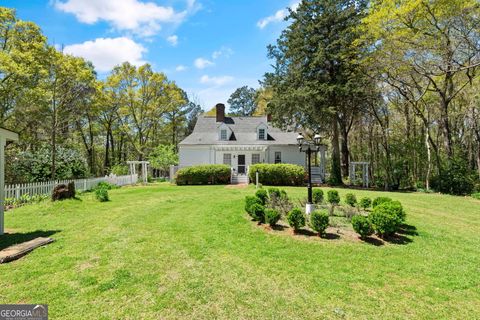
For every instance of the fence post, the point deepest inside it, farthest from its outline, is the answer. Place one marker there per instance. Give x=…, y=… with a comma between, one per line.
x=17, y=192
x=84, y=184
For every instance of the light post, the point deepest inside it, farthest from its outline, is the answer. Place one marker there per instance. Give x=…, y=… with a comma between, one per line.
x=309, y=147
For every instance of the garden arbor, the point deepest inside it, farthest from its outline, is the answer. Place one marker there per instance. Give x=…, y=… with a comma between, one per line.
x=133, y=169
x=353, y=173
x=5, y=136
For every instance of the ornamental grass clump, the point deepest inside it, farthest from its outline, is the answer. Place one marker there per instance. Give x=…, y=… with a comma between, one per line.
x=102, y=194
x=319, y=222
x=296, y=219
x=362, y=226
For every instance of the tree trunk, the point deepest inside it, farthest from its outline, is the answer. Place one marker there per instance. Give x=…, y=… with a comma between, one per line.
x=429, y=160
x=345, y=152
x=336, y=174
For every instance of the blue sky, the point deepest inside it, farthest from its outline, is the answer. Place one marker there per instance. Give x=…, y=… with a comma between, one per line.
x=209, y=47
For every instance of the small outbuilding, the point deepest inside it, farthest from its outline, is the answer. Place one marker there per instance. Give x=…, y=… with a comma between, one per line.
x=5, y=136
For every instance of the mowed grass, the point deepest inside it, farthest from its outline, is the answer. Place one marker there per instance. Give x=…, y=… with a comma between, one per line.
x=168, y=252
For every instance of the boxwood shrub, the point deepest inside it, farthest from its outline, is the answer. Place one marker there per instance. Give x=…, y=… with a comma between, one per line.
x=351, y=199
x=280, y=174
x=317, y=195
x=203, y=174
x=257, y=212
x=379, y=200
x=384, y=219
x=365, y=203
x=272, y=216
x=296, y=219
x=319, y=221
x=362, y=226
x=262, y=194
x=333, y=197
x=250, y=201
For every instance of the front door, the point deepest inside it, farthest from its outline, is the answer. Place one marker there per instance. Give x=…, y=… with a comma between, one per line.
x=241, y=164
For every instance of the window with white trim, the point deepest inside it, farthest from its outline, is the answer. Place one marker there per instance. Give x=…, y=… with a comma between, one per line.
x=261, y=134
x=255, y=158
x=278, y=157
x=223, y=134
x=227, y=159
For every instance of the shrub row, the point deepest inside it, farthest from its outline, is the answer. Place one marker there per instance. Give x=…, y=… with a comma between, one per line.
x=280, y=174
x=203, y=174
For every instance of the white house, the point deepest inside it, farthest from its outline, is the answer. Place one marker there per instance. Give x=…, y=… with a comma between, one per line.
x=239, y=142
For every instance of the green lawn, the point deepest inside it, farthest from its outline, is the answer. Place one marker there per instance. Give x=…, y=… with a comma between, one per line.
x=168, y=252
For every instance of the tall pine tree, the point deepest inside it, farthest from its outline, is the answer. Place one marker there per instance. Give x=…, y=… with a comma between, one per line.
x=317, y=80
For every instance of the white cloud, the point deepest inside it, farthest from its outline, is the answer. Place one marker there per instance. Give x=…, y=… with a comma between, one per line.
x=106, y=53
x=216, y=81
x=180, y=68
x=173, y=40
x=202, y=63
x=224, y=51
x=139, y=17
x=277, y=17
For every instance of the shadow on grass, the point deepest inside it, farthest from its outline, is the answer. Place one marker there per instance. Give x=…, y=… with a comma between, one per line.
x=398, y=239
x=310, y=233
x=406, y=229
x=9, y=239
x=278, y=227
x=374, y=241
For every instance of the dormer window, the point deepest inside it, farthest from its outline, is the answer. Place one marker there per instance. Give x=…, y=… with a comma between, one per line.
x=223, y=134
x=261, y=134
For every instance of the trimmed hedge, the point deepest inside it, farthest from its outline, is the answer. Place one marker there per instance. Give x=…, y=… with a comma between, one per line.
x=280, y=174
x=203, y=174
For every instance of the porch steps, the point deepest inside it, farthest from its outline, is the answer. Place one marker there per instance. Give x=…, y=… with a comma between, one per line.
x=239, y=179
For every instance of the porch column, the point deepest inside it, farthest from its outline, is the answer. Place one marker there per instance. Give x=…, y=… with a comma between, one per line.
x=322, y=163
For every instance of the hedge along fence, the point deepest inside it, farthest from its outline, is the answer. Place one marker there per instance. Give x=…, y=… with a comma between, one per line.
x=280, y=174
x=203, y=174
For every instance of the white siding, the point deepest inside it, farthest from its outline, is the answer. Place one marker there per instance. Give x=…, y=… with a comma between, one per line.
x=290, y=154
x=194, y=155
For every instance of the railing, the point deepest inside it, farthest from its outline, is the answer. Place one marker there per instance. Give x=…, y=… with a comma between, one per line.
x=45, y=188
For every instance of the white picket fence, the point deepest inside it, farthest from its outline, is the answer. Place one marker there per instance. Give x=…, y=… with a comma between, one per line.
x=46, y=188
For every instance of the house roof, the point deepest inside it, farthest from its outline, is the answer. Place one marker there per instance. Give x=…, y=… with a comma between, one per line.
x=244, y=132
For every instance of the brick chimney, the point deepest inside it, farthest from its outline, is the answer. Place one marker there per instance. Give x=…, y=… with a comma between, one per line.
x=220, y=112
x=269, y=117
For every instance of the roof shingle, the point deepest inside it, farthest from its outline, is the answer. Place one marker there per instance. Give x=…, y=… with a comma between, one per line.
x=244, y=129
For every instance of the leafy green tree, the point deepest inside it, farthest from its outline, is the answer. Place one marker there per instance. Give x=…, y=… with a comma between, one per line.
x=163, y=157
x=33, y=166
x=317, y=80
x=243, y=101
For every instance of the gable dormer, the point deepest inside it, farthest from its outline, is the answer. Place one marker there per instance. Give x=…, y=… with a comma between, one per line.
x=262, y=131
x=224, y=132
